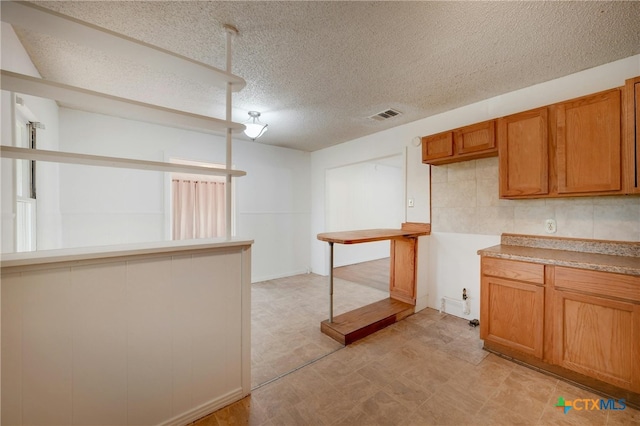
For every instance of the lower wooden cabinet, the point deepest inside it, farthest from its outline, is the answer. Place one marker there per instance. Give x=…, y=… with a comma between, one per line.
x=567, y=319
x=596, y=325
x=512, y=305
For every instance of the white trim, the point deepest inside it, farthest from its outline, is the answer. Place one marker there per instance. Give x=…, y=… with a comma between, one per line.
x=246, y=321
x=17, y=262
x=283, y=275
x=203, y=410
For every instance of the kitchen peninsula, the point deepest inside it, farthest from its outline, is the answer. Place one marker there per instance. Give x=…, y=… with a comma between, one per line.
x=361, y=322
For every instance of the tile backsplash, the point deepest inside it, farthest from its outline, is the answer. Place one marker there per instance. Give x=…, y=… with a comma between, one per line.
x=464, y=199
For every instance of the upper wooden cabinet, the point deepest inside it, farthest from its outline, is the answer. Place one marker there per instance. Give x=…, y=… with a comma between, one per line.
x=589, y=144
x=584, y=146
x=632, y=134
x=524, y=153
x=437, y=148
x=571, y=148
x=475, y=139
x=466, y=143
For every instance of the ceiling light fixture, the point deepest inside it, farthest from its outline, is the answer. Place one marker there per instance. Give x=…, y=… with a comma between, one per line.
x=255, y=128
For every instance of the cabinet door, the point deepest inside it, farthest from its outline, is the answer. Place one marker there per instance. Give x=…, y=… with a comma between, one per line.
x=597, y=325
x=632, y=129
x=512, y=314
x=598, y=337
x=475, y=138
x=636, y=98
x=589, y=144
x=523, y=147
x=438, y=146
x=403, y=270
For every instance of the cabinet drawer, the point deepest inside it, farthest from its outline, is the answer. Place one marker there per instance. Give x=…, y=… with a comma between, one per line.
x=605, y=284
x=477, y=137
x=513, y=270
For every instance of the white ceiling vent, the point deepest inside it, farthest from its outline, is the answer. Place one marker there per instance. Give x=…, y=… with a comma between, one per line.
x=385, y=115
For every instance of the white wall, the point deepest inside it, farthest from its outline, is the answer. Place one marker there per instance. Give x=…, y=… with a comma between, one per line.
x=447, y=259
x=15, y=58
x=356, y=190
x=274, y=208
x=392, y=142
x=110, y=206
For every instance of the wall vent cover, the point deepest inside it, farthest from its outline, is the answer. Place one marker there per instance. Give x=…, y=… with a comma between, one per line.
x=385, y=115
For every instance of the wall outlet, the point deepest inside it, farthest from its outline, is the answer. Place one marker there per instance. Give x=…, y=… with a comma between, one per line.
x=550, y=226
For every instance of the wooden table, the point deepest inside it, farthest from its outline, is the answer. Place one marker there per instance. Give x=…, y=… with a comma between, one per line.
x=361, y=322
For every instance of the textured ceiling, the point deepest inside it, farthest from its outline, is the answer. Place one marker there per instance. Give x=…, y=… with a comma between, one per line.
x=317, y=70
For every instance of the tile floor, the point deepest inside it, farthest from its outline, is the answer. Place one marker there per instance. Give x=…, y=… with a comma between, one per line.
x=285, y=321
x=428, y=369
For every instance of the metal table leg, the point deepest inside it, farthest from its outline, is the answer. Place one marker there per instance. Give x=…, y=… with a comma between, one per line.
x=330, y=282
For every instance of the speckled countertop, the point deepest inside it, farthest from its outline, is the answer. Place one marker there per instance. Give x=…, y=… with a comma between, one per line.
x=609, y=256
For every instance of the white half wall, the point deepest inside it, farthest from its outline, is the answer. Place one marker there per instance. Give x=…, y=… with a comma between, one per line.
x=146, y=336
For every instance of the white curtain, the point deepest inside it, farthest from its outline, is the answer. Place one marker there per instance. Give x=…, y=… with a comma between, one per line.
x=198, y=208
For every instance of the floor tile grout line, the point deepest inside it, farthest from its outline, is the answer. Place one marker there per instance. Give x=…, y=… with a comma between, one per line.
x=296, y=369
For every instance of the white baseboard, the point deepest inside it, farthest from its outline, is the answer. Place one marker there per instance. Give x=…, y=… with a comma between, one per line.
x=204, y=409
x=422, y=303
x=276, y=276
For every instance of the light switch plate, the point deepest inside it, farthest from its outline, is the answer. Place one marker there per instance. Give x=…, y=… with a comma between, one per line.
x=410, y=202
